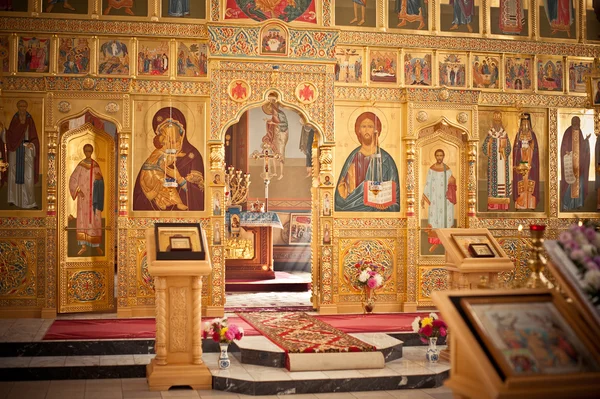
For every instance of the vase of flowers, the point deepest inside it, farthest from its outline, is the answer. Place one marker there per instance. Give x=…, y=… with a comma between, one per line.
x=223, y=333
x=430, y=329
x=370, y=278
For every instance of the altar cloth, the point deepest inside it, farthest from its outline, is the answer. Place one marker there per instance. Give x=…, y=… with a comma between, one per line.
x=257, y=219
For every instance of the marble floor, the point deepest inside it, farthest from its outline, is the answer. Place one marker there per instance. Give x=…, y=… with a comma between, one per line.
x=131, y=388
x=33, y=330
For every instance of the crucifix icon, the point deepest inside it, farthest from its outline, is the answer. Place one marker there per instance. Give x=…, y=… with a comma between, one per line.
x=266, y=155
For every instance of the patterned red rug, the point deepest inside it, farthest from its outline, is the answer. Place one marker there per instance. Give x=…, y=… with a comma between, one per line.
x=301, y=333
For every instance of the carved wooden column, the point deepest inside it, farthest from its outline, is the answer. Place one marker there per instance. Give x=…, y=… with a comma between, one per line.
x=216, y=298
x=160, y=299
x=410, y=176
x=123, y=180
x=197, y=311
x=472, y=182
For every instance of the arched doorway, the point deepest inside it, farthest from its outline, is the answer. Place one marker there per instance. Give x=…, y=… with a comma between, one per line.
x=277, y=146
x=86, y=216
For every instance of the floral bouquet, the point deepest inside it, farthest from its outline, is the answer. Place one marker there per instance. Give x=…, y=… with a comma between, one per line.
x=429, y=327
x=581, y=243
x=222, y=332
x=370, y=274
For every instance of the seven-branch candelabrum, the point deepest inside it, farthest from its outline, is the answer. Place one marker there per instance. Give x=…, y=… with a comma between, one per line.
x=237, y=184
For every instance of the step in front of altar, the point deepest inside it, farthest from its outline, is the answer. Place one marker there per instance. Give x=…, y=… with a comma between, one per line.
x=405, y=368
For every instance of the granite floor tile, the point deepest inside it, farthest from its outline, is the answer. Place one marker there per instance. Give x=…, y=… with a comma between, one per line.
x=75, y=361
x=385, y=372
x=261, y=396
x=406, y=367
x=343, y=374
x=442, y=389
x=103, y=395
x=235, y=375
x=116, y=360
x=5, y=387
x=298, y=396
x=47, y=361
x=31, y=394
x=134, y=384
x=204, y=393
x=65, y=395
x=12, y=336
x=340, y=395
x=180, y=393
x=143, y=359
x=372, y=395
x=409, y=394
x=142, y=394
x=307, y=375
x=66, y=386
x=104, y=385
x=274, y=375
x=10, y=362
x=29, y=390
x=442, y=395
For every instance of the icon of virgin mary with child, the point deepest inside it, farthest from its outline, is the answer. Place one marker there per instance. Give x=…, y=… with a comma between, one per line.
x=172, y=177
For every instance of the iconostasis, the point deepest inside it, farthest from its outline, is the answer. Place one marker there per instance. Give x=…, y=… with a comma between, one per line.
x=400, y=117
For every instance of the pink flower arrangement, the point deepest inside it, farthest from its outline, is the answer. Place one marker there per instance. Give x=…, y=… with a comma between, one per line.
x=430, y=326
x=581, y=243
x=369, y=274
x=222, y=332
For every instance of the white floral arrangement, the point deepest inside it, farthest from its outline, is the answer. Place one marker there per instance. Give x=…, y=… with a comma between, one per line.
x=369, y=275
x=581, y=243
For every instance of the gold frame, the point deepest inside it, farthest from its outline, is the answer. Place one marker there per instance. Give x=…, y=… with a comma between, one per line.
x=594, y=90
x=463, y=242
x=293, y=221
x=166, y=231
x=498, y=356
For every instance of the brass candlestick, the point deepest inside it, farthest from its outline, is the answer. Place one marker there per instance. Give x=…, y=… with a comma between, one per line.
x=537, y=261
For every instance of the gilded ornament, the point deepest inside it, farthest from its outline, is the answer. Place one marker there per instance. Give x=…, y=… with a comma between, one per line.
x=422, y=116
x=444, y=94
x=462, y=117
x=239, y=90
x=64, y=107
x=89, y=83
x=306, y=93
x=112, y=107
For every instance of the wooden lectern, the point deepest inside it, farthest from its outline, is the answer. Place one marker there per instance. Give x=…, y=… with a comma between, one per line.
x=518, y=344
x=473, y=257
x=183, y=258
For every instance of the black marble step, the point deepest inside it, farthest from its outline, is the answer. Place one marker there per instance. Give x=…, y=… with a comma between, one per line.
x=386, y=383
x=135, y=347
x=88, y=348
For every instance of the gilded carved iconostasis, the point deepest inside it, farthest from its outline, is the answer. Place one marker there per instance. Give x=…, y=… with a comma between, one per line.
x=391, y=119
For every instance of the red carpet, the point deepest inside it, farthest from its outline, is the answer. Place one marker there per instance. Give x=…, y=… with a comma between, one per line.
x=282, y=282
x=146, y=328
x=301, y=333
x=117, y=329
